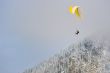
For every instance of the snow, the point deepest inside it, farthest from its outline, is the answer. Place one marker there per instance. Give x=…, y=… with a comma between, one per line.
x=87, y=56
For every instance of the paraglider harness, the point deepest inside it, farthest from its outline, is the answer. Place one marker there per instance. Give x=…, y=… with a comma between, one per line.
x=77, y=32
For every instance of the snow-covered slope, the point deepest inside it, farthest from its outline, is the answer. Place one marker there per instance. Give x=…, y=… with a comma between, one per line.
x=87, y=56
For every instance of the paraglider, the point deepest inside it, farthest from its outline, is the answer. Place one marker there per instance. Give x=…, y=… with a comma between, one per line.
x=77, y=32
x=74, y=10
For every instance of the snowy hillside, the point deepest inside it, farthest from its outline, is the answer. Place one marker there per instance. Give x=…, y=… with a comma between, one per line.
x=88, y=56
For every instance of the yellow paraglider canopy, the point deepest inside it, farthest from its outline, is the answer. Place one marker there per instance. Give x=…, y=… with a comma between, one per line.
x=74, y=10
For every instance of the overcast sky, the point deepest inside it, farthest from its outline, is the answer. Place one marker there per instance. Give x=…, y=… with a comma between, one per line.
x=33, y=30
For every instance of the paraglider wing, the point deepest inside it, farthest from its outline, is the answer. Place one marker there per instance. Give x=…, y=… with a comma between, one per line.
x=74, y=10
x=71, y=9
x=77, y=12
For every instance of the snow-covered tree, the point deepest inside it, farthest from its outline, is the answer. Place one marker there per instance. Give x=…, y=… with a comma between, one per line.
x=87, y=56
